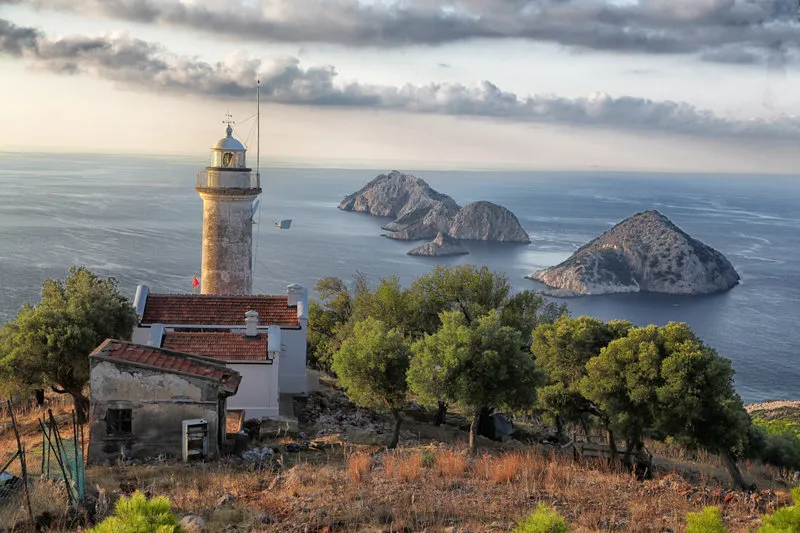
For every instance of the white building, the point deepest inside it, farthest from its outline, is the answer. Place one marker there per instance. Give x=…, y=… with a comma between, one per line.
x=261, y=337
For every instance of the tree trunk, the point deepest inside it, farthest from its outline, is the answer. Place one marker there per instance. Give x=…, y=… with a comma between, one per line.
x=438, y=420
x=733, y=469
x=612, y=447
x=559, y=428
x=81, y=403
x=473, y=431
x=584, y=426
x=396, y=437
x=39, y=394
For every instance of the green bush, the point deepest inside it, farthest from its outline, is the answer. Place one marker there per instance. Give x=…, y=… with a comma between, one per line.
x=544, y=519
x=137, y=514
x=776, y=442
x=785, y=519
x=709, y=520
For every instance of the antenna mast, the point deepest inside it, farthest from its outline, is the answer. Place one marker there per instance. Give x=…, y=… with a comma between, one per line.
x=258, y=133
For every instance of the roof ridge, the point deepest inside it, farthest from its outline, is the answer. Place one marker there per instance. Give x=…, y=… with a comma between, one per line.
x=201, y=359
x=219, y=296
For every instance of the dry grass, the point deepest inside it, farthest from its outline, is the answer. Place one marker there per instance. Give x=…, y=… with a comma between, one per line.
x=450, y=463
x=358, y=466
x=349, y=493
x=436, y=488
x=404, y=466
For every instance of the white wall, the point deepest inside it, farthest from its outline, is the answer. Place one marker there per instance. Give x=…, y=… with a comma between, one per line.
x=258, y=391
x=293, y=378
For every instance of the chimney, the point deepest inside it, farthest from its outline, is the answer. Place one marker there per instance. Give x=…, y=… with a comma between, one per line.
x=298, y=296
x=251, y=324
x=140, y=300
x=274, y=341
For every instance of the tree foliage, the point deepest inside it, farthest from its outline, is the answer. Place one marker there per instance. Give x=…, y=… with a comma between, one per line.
x=562, y=349
x=372, y=367
x=664, y=380
x=48, y=344
x=332, y=320
x=473, y=365
x=526, y=310
x=470, y=290
x=776, y=442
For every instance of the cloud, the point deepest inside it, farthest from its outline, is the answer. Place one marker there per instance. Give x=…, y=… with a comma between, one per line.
x=700, y=27
x=138, y=65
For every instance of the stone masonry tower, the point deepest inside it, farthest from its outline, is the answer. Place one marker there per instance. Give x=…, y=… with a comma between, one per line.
x=228, y=189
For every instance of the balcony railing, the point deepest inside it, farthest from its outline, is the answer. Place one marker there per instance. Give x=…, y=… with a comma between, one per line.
x=215, y=179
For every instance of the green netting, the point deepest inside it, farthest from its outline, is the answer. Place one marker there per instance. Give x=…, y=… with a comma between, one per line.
x=64, y=457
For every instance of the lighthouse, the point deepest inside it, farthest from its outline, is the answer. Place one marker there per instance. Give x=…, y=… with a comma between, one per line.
x=228, y=189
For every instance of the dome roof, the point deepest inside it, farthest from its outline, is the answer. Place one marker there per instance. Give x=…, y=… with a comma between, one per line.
x=229, y=143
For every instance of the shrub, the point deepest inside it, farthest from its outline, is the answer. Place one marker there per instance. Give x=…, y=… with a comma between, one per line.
x=709, y=520
x=776, y=442
x=785, y=519
x=544, y=519
x=137, y=514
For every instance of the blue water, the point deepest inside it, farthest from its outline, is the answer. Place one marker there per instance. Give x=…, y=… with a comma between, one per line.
x=139, y=220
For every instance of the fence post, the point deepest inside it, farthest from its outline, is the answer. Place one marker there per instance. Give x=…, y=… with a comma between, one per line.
x=21, y=452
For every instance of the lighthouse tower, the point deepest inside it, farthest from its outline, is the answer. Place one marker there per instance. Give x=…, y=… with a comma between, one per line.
x=228, y=189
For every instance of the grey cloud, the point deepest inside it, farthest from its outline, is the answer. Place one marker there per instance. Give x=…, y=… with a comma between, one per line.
x=138, y=65
x=651, y=26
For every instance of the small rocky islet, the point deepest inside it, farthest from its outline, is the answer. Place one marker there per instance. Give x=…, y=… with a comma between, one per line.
x=643, y=253
x=421, y=213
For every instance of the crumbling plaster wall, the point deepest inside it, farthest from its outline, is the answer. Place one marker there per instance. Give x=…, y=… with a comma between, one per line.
x=159, y=402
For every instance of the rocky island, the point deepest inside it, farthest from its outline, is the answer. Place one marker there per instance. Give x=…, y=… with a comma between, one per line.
x=442, y=245
x=420, y=213
x=643, y=253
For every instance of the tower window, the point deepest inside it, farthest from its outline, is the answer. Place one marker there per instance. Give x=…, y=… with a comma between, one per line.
x=119, y=421
x=228, y=159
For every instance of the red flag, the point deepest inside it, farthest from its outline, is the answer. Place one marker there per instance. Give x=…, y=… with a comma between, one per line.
x=195, y=282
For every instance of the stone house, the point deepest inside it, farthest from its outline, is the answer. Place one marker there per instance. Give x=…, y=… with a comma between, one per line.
x=141, y=395
x=263, y=337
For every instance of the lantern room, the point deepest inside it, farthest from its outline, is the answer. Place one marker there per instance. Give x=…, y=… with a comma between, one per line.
x=228, y=152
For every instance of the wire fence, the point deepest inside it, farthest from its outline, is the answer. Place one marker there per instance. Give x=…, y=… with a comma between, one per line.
x=42, y=461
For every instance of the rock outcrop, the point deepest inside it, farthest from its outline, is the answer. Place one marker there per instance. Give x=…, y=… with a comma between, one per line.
x=420, y=212
x=485, y=221
x=443, y=245
x=646, y=253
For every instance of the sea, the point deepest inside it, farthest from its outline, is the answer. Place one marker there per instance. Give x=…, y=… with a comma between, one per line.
x=138, y=219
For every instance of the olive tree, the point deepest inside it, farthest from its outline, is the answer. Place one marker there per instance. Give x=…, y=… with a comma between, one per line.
x=474, y=365
x=562, y=349
x=372, y=367
x=48, y=344
x=664, y=380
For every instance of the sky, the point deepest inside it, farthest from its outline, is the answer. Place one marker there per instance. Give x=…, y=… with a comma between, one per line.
x=660, y=85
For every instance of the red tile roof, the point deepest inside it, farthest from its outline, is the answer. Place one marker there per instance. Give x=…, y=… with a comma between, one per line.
x=169, y=361
x=212, y=310
x=224, y=346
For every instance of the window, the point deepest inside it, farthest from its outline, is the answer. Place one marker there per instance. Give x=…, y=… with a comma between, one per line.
x=229, y=159
x=118, y=421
